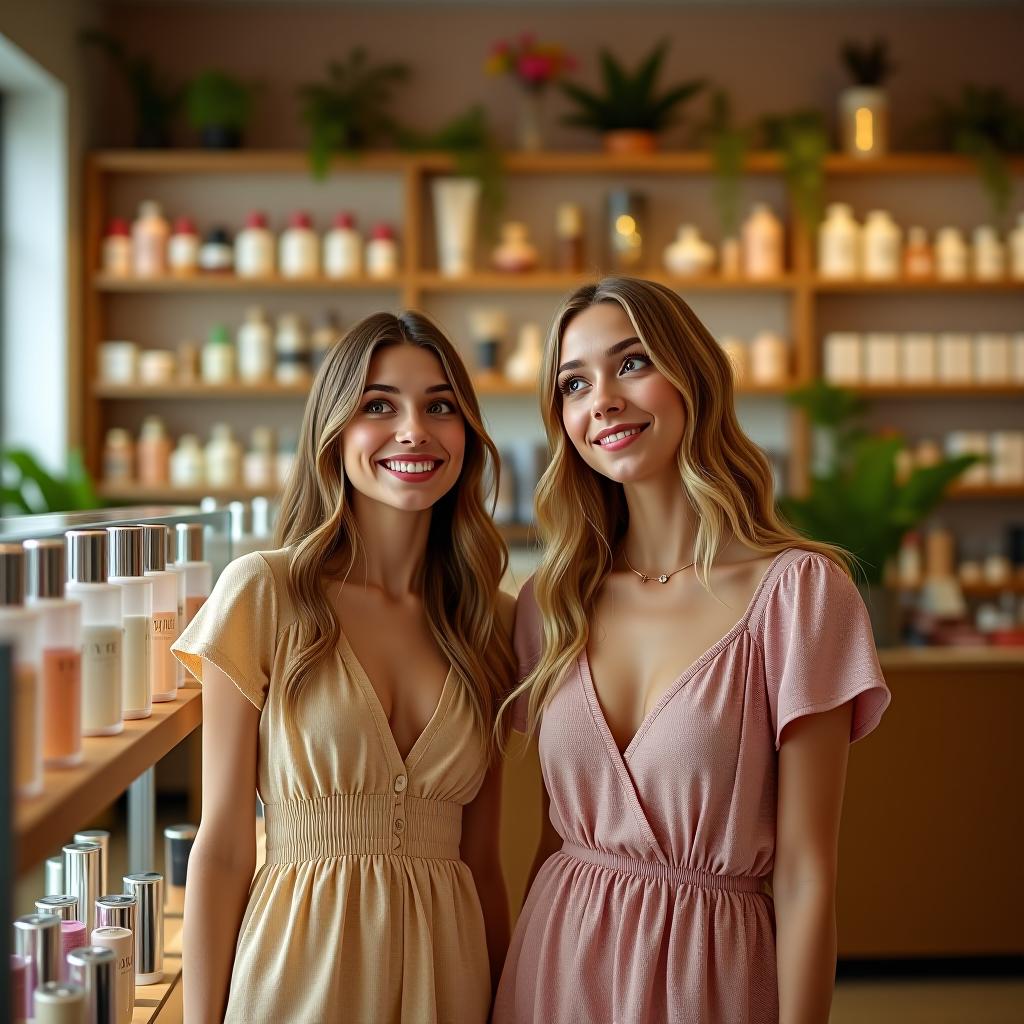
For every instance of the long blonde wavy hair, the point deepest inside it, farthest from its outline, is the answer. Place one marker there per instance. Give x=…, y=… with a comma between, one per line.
x=465, y=557
x=726, y=477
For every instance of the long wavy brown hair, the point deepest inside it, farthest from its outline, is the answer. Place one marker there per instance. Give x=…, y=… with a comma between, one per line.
x=465, y=557
x=726, y=477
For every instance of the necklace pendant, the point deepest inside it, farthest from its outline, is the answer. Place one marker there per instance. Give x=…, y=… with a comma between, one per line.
x=663, y=579
x=644, y=578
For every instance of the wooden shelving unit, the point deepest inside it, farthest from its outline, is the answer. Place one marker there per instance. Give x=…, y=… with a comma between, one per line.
x=417, y=282
x=73, y=795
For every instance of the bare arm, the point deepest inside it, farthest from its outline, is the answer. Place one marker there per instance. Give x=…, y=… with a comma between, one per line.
x=812, y=776
x=223, y=858
x=480, y=850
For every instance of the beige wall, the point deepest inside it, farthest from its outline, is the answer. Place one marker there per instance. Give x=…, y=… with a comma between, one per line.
x=770, y=60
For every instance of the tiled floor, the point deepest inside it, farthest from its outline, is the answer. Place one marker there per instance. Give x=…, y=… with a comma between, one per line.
x=981, y=1001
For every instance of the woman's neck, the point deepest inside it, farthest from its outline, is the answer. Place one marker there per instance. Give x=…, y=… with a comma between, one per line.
x=662, y=524
x=393, y=544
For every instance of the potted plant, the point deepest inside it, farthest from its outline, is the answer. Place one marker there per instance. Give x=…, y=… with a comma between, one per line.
x=28, y=489
x=218, y=107
x=629, y=113
x=856, y=498
x=156, y=102
x=802, y=143
x=988, y=126
x=351, y=110
x=864, y=106
x=535, y=66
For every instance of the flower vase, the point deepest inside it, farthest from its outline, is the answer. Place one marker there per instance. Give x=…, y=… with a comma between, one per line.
x=531, y=135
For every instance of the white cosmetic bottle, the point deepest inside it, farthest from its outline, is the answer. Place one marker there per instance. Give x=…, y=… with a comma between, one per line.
x=137, y=619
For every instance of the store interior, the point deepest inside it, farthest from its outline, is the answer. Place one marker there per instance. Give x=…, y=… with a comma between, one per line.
x=199, y=197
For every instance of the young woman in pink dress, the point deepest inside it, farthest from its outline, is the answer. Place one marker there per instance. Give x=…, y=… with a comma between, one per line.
x=697, y=671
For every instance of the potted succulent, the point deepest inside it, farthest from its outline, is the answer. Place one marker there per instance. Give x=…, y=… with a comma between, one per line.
x=864, y=106
x=802, y=143
x=156, y=102
x=219, y=107
x=856, y=498
x=351, y=110
x=629, y=113
x=535, y=66
x=988, y=126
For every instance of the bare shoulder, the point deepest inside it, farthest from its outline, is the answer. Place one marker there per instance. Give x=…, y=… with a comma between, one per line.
x=506, y=611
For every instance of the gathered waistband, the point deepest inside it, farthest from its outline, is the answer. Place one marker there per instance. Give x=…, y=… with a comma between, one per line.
x=362, y=824
x=667, y=872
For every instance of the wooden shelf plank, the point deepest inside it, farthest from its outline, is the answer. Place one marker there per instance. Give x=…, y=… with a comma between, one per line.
x=938, y=390
x=986, y=492
x=231, y=283
x=145, y=392
x=150, y=1000
x=824, y=286
x=73, y=795
x=551, y=280
x=278, y=161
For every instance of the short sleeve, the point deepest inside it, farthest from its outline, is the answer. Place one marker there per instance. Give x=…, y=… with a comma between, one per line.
x=236, y=628
x=527, y=638
x=819, y=650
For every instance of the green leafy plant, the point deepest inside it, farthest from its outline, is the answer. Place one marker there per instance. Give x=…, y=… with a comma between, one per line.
x=219, y=107
x=986, y=125
x=868, y=63
x=26, y=488
x=802, y=143
x=470, y=141
x=351, y=110
x=156, y=101
x=728, y=144
x=856, y=499
x=629, y=100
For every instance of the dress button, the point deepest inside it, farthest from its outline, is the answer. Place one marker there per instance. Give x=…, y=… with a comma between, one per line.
x=400, y=783
x=396, y=842
x=399, y=824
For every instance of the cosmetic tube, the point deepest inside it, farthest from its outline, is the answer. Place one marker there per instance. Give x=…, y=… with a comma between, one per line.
x=163, y=665
x=101, y=837
x=196, y=576
x=147, y=887
x=37, y=936
x=54, y=882
x=82, y=878
x=95, y=969
x=102, y=632
x=59, y=1002
x=63, y=906
x=126, y=571
x=122, y=944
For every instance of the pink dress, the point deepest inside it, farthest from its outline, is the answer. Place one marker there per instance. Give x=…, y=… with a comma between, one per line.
x=658, y=908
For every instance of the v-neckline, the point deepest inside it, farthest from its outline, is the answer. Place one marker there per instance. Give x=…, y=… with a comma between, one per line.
x=381, y=719
x=678, y=682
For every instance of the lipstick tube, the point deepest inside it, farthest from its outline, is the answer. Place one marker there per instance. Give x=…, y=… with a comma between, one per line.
x=148, y=888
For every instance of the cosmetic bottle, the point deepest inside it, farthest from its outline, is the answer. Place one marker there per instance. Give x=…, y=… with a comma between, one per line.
x=291, y=350
x=118, y=457
x=839, y=243
x=950, y=255
x=217, y=254
x=188, y=468
x=988, y=254
x=569, y=238
x=126, y=570
x=102, y=631
x=254, y=248
x=218, y=357
x=323, y=339
x=117, y=249
x=382, y=253
x=60, y=647
x=195, y=576
x=121, y=943
x=150, y=232
x=343, y=249
x=183, y=248
x=153, y=453
x=918, y=259
x=1015, y=245
x=259, y=462
x=19, y=628
x=255, y=342
x=762, y=244
x=881, y=240
x=769, y=358
x=223, y=458
x=163, y=669
x=299, y=248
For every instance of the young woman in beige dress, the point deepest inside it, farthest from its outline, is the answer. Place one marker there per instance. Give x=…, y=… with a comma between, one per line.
x=352, y=676
x=698, y=670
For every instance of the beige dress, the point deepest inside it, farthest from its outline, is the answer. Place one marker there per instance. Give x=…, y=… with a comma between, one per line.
x=364, y=911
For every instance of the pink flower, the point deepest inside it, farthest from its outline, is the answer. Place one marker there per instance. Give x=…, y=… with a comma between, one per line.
x=534, y=68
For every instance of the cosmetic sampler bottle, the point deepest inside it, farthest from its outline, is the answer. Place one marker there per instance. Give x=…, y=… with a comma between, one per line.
x=153, y=453
x=839, y=243
x=382, y=253
x=323, y=339
x=255, y=344
x=150, y=232
x=188, y=466
x=882, y=245
x=762, y=244
x=95, y=969
x=343, y=249
x=19, y=627
x=569, y=246
x=217, y=253
x=259, y=463
x=254, y=248
x=918, y=259
x=988, y=254
x=217, y=359
x=137, y=619
x=1015, y=246
x=117, y=249
x=118, y=456
x=291, y=350
x=163, y=672
x=195, y=577
x=121, y=943
x=223, y=456
x=299, y=248
x=183, y=248
x=950, y=255
x=60, y=647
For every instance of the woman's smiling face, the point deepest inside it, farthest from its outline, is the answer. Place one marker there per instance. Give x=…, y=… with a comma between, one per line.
x=624, y=418
x=405, y=445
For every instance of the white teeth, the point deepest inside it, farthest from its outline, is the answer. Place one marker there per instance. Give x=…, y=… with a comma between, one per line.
x=409, y=467
x=619, y=436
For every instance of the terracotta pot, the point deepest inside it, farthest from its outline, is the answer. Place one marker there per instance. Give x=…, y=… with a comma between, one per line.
x=627, y=140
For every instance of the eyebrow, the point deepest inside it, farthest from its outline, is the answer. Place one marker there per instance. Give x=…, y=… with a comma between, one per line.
x=432, y=390
x=574, y=364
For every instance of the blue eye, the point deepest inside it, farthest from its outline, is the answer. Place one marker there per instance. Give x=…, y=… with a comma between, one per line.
x=567, y=385
x=376, y=406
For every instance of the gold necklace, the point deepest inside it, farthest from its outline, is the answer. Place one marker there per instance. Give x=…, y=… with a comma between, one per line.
x=663, y=578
